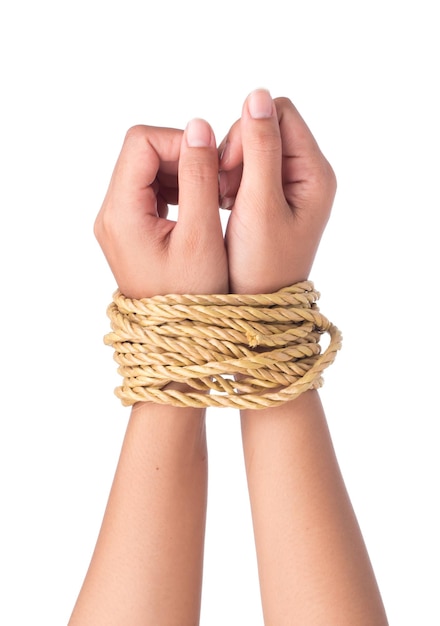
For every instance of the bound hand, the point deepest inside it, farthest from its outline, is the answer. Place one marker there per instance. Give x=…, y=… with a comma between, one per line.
x=280, y=189
x=148, y=253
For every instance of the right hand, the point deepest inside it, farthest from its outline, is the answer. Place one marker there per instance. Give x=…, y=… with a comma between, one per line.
x=280, y=189
x=148, y=254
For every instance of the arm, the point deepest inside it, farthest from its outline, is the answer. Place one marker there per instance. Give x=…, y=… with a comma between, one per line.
x=313, y=564
x=147, y=564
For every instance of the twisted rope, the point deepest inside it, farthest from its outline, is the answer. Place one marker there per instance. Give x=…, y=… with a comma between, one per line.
x=241, y=351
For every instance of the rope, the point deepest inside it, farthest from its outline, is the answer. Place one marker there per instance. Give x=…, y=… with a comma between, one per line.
x=241, y=351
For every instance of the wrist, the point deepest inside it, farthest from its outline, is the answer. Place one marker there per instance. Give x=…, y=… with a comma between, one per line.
x=175, y=435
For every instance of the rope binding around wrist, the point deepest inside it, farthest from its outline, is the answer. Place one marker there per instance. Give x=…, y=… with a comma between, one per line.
x=240, y=351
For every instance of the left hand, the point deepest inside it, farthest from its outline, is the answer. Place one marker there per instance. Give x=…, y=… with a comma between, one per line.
x=280, y=189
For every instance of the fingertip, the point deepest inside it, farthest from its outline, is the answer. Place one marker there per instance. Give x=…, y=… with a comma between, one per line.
x=199, y=134
x=260, y=104
x=224, y=152
x=226, y=203
x=230, y=150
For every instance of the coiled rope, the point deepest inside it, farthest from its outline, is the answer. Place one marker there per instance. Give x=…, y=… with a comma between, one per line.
x=241, y=351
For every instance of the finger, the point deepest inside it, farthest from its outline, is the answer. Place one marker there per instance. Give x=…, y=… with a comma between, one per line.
x=198, y=180
x=262, y=151
x=297, y=138
x=147, y=153
x=230, y=149
x=229, y=184
x=230, y=153
x=304, y=166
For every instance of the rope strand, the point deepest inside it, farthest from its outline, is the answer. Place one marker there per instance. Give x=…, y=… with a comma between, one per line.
x=231, y=350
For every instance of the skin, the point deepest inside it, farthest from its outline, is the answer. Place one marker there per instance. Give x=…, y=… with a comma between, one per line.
x=281, y=188
x=148, y=562
x=147, y=566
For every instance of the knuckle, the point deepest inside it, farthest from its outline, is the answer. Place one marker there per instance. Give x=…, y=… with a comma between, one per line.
x=324, y=184
x=322, y=173
x=104, y=226
x=328, y=177
x=283, y=102
x=267, y=141
x=199, y=171
x=136, y=133
x=100, y=227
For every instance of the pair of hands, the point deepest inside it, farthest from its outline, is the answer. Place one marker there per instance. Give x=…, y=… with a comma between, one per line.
x=269, y=171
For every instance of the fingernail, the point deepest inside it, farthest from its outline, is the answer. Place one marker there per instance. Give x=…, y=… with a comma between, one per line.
x=222, y=184
x=226, y=203
x=199, y=134
x=260, y=104
x=224, y=156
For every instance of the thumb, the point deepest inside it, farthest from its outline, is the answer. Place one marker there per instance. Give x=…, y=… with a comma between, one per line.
x=198, y=180
x=262, y=151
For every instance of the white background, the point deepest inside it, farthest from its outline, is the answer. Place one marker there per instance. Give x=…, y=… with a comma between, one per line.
x=74, y=77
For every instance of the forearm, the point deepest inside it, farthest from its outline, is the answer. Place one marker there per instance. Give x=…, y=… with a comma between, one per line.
x=313, y=564
x=148, y=561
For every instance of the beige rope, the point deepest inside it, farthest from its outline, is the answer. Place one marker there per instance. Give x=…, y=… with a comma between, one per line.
x=241, y=351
